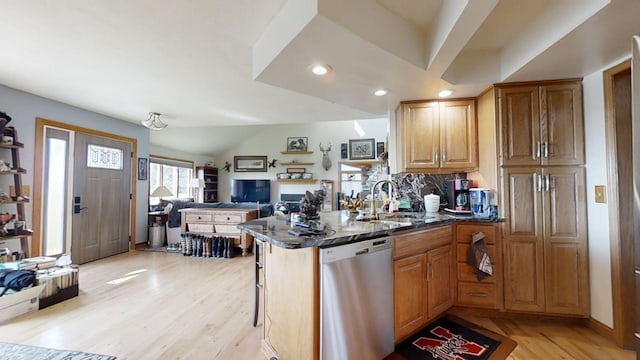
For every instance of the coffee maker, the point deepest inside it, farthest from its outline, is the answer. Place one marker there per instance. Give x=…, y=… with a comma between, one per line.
x=457, y=193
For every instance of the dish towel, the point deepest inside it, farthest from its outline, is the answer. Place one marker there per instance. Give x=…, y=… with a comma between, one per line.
x=478, y=256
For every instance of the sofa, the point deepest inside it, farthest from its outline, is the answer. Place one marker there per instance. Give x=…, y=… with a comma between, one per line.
x=174, y=218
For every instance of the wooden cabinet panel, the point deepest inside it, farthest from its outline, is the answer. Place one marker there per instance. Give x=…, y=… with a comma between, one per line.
x=458, y=136
x=462, y=249
x=563, y=132
x=479, y=295
x=441, y=281
x=467, y=273
x=486, y=293
x=424, y=278
x=420, y=241
x=464, y=233
x=567, y=291
x=421, y=135
x=541, y=124
x=410, y=295
x=523, y=191
x=291, y=307
x=439, y=135
x=565, y=242
x=519, y=117
x=546, y=268
x=524, y=283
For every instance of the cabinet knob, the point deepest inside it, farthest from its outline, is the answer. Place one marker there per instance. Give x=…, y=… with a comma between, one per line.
x=228, y=218
x=199, y=218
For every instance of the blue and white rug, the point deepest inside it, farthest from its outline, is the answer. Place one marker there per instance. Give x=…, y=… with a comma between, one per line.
x=26, y=352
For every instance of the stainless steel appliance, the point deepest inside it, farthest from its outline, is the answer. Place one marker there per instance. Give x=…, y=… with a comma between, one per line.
x=457, y=192
x=356, y=300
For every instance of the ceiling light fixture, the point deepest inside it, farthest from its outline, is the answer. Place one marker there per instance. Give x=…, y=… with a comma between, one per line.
x=445, y=93
x=381, y=92
x=320, y=69
x=154, y=122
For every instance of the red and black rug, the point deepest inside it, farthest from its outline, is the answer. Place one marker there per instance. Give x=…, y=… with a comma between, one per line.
x=452, y=338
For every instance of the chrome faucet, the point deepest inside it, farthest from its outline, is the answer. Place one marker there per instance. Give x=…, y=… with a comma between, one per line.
x=373, y=194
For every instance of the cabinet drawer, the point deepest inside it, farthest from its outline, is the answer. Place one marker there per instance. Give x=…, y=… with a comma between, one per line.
x=420, y=241
x=464, y=232
x=192, y=218
x=227, y=229
x=227, y=218
x=201, y=228
x=483, y=295
x=467, y=273
x=463, y=248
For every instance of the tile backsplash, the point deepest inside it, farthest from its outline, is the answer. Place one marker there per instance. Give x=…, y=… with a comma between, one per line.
x=415, y=186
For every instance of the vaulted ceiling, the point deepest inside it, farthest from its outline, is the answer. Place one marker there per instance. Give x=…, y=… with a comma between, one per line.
x=214, y=67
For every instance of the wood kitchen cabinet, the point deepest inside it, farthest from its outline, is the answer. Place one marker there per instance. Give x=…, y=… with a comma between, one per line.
x=291, y=303
x=486, y=293
x=546, y=264
x=438, y=135
x=423, y=278
x=541, y=123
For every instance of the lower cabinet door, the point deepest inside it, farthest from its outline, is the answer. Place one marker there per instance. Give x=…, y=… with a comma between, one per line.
x=441, y=280
x=410, y=295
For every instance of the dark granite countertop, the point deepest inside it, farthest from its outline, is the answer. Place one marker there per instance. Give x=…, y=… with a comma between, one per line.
x=341, y=227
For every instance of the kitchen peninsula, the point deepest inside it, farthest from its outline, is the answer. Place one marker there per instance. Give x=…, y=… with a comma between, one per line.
x=292, y=275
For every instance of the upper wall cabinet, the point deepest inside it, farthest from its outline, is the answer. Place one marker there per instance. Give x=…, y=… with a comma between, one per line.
x=541, y=124
x=438, y=135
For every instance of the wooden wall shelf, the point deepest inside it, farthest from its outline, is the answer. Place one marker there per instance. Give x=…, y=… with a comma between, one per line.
x=295, y=163
x=296, y=152
x=297, y=181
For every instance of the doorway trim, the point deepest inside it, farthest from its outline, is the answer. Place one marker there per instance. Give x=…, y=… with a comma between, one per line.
x=621, y=257
x=38, y=177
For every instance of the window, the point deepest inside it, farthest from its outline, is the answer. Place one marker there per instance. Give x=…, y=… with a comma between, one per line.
x=174, y=174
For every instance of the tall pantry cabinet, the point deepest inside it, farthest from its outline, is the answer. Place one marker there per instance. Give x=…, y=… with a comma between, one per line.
x=541, y=156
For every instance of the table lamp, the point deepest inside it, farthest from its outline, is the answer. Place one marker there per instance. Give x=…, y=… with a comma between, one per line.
x=161, y=191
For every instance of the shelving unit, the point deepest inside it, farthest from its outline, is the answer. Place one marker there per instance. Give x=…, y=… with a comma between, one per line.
x=210, y=176
x=17, y=172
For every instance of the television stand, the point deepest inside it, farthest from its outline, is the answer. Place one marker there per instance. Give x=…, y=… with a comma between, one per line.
x=219, y=222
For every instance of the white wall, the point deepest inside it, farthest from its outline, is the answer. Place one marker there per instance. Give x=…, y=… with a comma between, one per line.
x=24, y=108
x=597, y=214
x=272, y=141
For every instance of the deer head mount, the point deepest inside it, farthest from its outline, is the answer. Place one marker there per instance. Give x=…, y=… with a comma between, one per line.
x=326, y=161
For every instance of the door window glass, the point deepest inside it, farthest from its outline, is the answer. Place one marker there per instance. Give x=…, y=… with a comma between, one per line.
x=104, y=157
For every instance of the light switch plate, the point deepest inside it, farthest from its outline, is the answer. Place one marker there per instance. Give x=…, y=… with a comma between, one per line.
x=600, y=197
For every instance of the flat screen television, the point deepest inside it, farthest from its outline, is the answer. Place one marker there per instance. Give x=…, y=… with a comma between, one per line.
x=244, y=190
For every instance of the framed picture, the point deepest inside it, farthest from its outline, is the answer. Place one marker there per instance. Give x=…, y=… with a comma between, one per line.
x=379, y=148
x=250, y=163
x=344, y=152
x=143, y=171
x=297, y=144
x=362, y=149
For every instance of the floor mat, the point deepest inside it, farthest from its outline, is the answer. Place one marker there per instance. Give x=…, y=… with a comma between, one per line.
x=26, y=352
x=455, y=339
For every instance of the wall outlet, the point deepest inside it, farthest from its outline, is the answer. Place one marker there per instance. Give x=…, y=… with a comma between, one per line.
x=600, y=194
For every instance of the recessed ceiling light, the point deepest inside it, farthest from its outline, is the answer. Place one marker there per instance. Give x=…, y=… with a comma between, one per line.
x=445, y=93
x=320, y=69
x=380, y=92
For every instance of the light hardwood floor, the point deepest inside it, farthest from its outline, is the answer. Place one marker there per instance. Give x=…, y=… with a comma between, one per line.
x=174, y=307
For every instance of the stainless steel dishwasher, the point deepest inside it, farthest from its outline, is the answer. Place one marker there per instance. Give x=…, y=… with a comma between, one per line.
x=356, y=300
